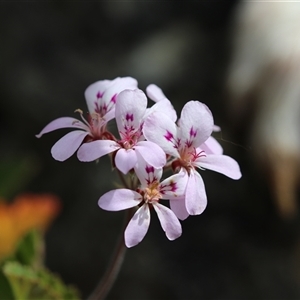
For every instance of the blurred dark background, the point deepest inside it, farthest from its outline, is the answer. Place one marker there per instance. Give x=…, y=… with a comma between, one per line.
x=50, y=52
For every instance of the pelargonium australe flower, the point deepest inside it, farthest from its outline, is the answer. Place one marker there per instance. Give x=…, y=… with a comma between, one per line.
x=132, y=147
x=162, y=103
x=147, y=196
x=183, y=142
x=100, y=98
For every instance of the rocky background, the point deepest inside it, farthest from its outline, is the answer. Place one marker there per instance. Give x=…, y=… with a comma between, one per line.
x=50, y=52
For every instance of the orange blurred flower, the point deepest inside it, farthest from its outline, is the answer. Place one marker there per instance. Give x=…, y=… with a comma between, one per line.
x=28, y=211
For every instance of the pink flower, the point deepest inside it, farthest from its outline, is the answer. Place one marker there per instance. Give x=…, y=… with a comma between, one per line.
x=100, y=98
x=184, y=142
x=146, y=197
x=132, y=147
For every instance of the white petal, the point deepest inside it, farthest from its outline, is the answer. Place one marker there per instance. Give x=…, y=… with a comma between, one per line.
x=103, y=93
x=147, y=173
x=64, y=122
x=94, y=92
x=130, y=109
x=195, y=124
x=119, y=199
x=174, y=186
x=137, y=226
x=151, y=153
x=160, y=129
x=125, y=160
x=93, y=150
x=168, y=221
x=195, y=198
x=179, y=209
x=216, y=128
x=163, y=106
x=220, y=163
x=155, y=93
x=68, y=144
x=120, y=84
x=212, y=146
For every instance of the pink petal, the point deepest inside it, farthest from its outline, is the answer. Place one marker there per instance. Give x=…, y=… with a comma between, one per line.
x=160, y=129
x=130, y=109
x=168, y=221
x=155, y=93
x=212, y=146
x=137, y=226
x=151, y=153
x=174, y=186
x=64, y=122
x=195, y=124
x=125, y=160
x=119, y=199
x=195, y=197
x=220, y=163
x=179, y=209
x=95, y=149
x=68, y=144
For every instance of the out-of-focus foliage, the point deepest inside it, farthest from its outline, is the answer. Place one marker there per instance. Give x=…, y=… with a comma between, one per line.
x=28, y=283
x=22, y=276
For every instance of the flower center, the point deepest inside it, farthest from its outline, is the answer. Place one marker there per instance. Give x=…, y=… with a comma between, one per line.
x=129, y=139
x=95, y=122
x=152, y=192
x=187, y=158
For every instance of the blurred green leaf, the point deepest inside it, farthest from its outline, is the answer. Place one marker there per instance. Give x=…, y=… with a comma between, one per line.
x=30, y=249
x=40, y=284
x=5, y=288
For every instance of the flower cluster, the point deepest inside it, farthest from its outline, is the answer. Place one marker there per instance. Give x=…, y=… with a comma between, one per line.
x=150, y=143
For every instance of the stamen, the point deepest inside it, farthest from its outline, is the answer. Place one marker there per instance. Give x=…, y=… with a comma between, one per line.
x=78, y=110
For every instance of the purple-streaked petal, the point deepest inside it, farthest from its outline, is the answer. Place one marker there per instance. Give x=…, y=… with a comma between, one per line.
x=164, y=106
x=137, y=226
x=94, y=93
x=151, y=153
x=101, y=95
x=195, y=124
x=195, y=197
x=147, y=173
x=179, y=209
x=220, y=163
x=120, y=84
x=212, y=146
x=109, y=115
x=130, y=109
x=64, y=122
x=68, y=144
x=168, y=221
x=174, y=186
x=119, y=199
x=93, y=150
x=155, y=93
x=160, y=129
x=125, y=160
